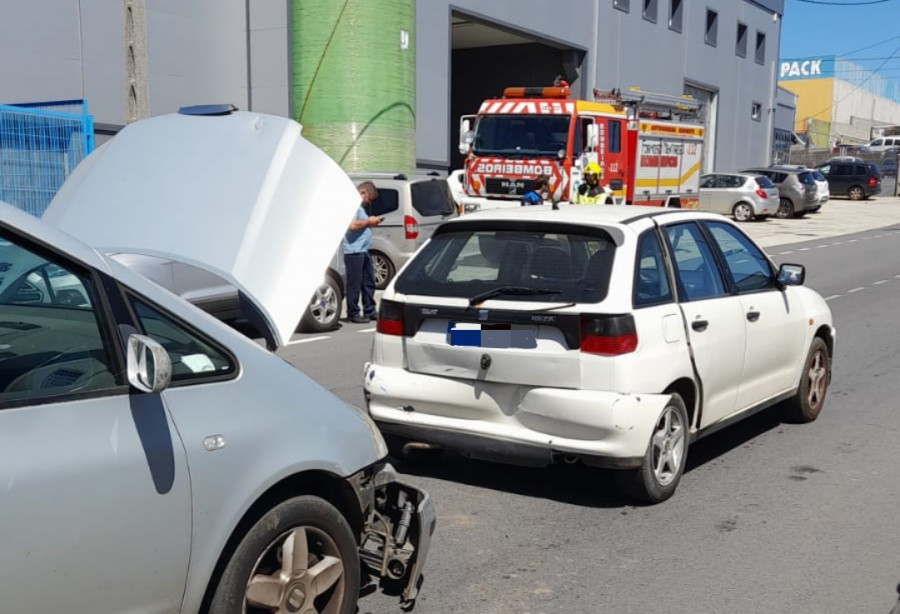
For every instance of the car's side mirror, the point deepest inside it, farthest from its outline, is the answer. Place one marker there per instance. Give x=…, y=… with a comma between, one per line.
x=149, y=365
x=791, y=274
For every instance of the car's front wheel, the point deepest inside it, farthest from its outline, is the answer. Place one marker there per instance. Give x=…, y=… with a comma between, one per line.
x=806, y=405
x=301, y=556
x=658, y=476
x=324, y=309
x=856, y=193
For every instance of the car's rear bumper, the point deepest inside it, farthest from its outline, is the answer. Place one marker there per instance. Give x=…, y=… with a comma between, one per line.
x=508, y=422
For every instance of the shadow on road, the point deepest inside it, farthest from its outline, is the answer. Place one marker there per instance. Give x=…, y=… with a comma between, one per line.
x=576, y=484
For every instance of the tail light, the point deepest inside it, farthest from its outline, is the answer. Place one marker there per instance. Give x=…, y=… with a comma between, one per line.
x=761, y=193
x=872, y=182
x=608, y=335
x=390, y=318
x=411, y=227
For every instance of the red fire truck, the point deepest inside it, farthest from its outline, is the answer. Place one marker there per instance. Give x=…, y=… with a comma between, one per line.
x=649, y=146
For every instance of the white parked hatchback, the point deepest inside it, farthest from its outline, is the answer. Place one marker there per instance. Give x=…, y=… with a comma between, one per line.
x=612, y=335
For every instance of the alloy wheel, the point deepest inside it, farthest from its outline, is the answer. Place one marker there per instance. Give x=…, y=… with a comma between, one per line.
x=300, y=572
x=324, y=305
x=743, y=212
x=668, y=446
x=785, y=209
x=382, y=270
x=818, y=379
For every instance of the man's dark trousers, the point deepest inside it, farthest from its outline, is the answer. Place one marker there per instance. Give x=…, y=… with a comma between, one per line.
x=360, y=278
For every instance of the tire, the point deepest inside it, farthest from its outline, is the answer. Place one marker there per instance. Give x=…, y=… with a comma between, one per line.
x=384, y=270
x=806, y=405
x=668, y=446
x=742, y=212
x=856, y=193
x=785, y=209
x=255, y=579
x=324, y=309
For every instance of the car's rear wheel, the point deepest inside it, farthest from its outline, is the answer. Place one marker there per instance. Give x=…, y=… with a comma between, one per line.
x=856, y=193
x=785, y=209
x=301, y=556
x=658, y=476
x=324, y=309
x=743, y=212
x=384, y=270
x=806, y=405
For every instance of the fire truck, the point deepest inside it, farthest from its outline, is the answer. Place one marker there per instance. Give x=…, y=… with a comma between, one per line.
x=649, y=146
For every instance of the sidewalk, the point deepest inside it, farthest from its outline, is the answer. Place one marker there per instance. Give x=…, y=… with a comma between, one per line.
x=838, y=216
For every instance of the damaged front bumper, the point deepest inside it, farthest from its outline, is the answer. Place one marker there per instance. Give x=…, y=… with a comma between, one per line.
x=398, y=521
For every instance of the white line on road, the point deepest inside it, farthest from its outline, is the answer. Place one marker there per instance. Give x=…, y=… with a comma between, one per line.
x=833, y=296
x=838, y=243
x=851, y=240
x=803, y=249
x=854, y=290
x=820, y=246
x=306, y=340
x=367, y=330
x=785, y=253
x=879, y=282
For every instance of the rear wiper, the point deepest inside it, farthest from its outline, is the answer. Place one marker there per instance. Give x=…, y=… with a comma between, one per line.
x=510, y=291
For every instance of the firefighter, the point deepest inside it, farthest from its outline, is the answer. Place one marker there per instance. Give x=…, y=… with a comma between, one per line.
x=591, y=192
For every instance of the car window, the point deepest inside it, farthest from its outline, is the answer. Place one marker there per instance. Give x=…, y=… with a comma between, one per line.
x=841, y=169
x=764, y=182
x=747, y=265
x=873, y=170
x=572, y=265
x=387, y=201
x=51, y=340
x=859, y=169
x=732, y=181
x=806, y=178
x=708, y=181
x=651, y=281
x=192, y=357
x=876, y=143
x=819, y=176
x=826, y=169
x=432, y=198
x=779, y=177
x=695, y=266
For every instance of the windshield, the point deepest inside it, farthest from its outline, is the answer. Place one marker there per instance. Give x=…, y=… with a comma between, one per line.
x=819, y=176
x=764, y=182
x=807, y=178
x=525, y=135
x=521, y=264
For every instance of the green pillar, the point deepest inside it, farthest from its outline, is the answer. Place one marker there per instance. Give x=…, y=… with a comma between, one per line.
x=353, y=68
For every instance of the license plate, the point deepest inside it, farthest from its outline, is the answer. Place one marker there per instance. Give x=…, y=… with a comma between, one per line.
x=491, y=335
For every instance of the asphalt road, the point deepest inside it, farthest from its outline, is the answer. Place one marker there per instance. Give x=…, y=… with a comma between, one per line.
x=770, y=517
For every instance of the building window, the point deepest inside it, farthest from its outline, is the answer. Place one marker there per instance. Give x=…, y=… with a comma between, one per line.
x=622, y=5
x=675, y=15
x=650, y=10
x=712, y=27
x=756, y=111
x=760, y=48
x=740, y=44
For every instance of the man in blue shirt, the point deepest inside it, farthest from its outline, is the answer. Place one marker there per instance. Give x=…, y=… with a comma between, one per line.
x=358, y=263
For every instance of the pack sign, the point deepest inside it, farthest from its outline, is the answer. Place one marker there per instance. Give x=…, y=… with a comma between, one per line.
x=806, y=68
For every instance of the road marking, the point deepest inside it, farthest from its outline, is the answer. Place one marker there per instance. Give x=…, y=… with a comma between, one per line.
x=833, y=296
x=838, y=243
x=785, y=253
x=803, y=249
x=854, y=290
x=879, y=282
x=368, y=330
x=820, y=246
x=896, y=276
x=851, y=240
x=306, y=340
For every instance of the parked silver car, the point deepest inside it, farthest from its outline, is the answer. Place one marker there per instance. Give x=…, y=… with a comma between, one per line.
x=797, y=190
x=745, y=196
x=153, y=459
x=412, y=206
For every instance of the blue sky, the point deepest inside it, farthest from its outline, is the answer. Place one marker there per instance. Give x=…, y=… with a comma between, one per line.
x=817, y=29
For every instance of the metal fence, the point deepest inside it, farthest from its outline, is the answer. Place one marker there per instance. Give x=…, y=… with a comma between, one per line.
x=40, y=144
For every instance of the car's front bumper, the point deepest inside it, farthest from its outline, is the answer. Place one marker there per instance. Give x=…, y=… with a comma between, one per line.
x=510, y=422
x=398, y=522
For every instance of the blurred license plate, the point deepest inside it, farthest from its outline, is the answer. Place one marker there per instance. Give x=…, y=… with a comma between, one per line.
x=491, y=335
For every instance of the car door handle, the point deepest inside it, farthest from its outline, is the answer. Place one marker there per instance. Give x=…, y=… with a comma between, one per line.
x=699, y=325
x=753, y=316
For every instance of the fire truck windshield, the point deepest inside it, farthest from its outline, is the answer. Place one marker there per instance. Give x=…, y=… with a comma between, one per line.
x=521, y=135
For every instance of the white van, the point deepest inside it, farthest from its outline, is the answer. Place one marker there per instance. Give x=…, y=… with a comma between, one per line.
x=882, y=143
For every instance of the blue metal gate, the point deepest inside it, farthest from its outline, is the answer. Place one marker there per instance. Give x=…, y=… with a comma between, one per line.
x=40, y=145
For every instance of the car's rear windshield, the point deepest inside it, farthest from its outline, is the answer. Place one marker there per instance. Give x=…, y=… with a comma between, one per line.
x=819, y=176
x=764, y=182
x=432, y=198
x=873, y=170
x=538, y=262
x=806, y=178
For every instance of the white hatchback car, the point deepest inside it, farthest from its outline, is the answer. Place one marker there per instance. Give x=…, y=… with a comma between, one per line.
x=612, y=335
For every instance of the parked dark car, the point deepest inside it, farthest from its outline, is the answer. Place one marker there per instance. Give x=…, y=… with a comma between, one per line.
x=854, y=178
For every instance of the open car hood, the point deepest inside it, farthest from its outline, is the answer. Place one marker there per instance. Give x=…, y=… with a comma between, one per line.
x=243, y=196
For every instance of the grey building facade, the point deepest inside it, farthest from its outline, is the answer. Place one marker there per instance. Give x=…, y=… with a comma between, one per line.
x=132, y=58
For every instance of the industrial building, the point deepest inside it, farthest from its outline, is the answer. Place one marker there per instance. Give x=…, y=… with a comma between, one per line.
x=381, y=83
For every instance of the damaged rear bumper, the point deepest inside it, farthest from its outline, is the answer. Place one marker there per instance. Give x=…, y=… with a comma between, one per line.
x=398, y=522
